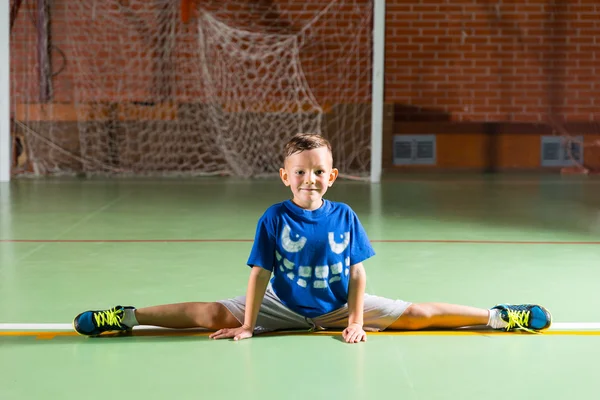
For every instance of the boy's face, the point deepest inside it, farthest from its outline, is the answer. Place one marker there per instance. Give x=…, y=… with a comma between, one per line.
x=309, y=174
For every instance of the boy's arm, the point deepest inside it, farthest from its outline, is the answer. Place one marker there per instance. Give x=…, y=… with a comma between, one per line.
x=257, y=286
x=356, y=299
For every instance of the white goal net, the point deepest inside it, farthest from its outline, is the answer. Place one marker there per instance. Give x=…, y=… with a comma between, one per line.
x=124, y=87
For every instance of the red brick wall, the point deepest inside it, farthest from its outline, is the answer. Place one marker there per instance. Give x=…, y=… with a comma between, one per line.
x=495, y=61
x=532, y=61
x=446, y=61
x=474, y=60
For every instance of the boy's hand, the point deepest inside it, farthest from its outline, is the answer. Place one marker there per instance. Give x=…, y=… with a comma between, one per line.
x=243, y=332
x=354, y=333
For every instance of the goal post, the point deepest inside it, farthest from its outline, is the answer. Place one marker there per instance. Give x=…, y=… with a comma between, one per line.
x=378, y=90
x=5, y=139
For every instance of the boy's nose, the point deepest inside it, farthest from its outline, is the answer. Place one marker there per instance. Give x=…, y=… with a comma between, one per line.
x=310, y=178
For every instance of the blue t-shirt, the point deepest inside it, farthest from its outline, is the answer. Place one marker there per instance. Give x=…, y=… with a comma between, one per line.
x=310, y=254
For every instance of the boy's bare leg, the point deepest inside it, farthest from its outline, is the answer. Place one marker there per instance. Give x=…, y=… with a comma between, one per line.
x=212, y=316
x=440, y=315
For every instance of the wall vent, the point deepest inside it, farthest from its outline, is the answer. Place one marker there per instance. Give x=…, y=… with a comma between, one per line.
x=414, y=150
x=556, y=151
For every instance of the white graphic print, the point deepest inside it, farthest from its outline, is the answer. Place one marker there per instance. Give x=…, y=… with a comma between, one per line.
x=318, y=276
x=290, y=245
x=336, y=268
x=338, y=248
x=336, y=271
x=322, y=272
x=320, y=284
x=288, y=264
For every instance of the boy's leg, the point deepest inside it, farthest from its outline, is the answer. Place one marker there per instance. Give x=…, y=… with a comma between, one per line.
x=440, y=315
x=382, y=313
x=212, y=316
x=229, y=313
x=529, y=317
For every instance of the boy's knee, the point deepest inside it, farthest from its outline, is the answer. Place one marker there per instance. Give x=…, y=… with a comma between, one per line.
x=416, y=316
x=219, y=317
x=419, y=312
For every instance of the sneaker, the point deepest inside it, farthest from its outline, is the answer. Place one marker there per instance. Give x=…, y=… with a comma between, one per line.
x=527, y=317
x=93, y=323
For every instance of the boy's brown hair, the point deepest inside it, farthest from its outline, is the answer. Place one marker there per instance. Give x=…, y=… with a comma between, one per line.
x=305, y=141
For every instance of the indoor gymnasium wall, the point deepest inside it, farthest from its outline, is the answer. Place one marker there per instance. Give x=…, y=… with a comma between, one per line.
x=485, y=76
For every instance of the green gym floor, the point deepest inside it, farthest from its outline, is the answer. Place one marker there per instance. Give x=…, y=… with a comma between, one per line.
x=69, y=245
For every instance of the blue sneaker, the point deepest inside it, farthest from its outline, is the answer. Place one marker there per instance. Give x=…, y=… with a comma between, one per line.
x=93, y=323
x=527, y=317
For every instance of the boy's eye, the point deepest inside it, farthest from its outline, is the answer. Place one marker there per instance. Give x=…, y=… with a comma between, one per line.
x=299, y=172
x=320, y=172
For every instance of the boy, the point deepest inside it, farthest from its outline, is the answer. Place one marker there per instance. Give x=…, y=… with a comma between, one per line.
x=314, y=248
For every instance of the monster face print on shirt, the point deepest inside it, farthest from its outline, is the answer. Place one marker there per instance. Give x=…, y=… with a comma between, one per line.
x=310, y=254
x=301, y=270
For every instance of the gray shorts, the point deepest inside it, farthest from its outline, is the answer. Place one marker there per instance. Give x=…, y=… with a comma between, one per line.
x=379, y=313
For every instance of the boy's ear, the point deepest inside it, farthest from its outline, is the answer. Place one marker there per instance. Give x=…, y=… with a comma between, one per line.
x=284, y=176
x=333, y=176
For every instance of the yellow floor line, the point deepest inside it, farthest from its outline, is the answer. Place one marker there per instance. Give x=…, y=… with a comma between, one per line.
x=48, y=335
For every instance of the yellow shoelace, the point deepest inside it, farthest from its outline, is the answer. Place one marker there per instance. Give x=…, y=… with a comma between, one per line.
x=519, y=319
x=109, y=317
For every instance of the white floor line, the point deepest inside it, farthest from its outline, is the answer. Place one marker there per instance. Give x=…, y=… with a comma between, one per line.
x=557, y=326
x=50, y=327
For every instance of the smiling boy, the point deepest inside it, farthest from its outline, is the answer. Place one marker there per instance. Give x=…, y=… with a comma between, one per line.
x=307, y=273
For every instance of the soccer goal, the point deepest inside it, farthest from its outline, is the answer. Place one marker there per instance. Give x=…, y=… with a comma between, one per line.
x=193, y=87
